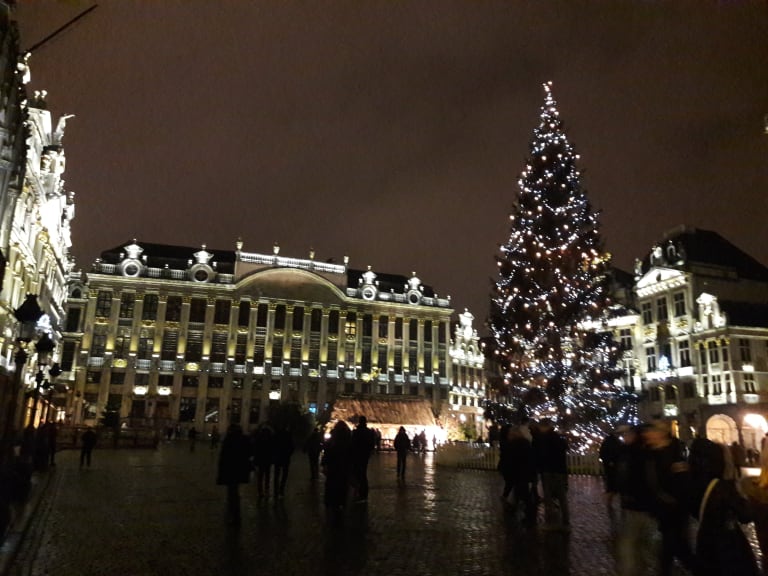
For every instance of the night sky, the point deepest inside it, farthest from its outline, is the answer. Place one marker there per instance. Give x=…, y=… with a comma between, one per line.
x=395, y=131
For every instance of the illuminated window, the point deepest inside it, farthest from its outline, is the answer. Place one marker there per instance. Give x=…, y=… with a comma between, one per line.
x=685, y=353
x=650, y=355
x=625, y=336
x=745, y=350
x=647, y=313
x=661, y=309
x=149, y=307
x=749, y=384
x=717, y=386
x=679, y=303
x=103, y=303
x=350, y=328
x=173, y=309
x=714, y=353
x=127, y=303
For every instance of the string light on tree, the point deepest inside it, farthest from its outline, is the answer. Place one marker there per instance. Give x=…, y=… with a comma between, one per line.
x=552, y=281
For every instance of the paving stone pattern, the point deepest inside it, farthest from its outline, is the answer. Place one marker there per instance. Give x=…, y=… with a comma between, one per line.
x=142, y=513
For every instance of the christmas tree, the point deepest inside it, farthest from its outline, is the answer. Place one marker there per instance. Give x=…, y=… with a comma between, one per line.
x=551, y=295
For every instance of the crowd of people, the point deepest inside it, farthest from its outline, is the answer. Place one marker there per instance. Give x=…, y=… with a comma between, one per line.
x=661, y=486
x=342, y=457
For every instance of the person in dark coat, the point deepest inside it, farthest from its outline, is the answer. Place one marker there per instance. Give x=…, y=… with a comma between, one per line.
x=402, y=447
x=551, y=450
x=337, y=465
x=517, y=467
x=721, y=547
x=363, y=445
x=669, y=482
x=87, y=444
x=262, y=458
x=313, y=445
x=51, y=432
x=638, y=526
x=282, y=449
x=609, y=458
x=234, y=468
x=755, y=489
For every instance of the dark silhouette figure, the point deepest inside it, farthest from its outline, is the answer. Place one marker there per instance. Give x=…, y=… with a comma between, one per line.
x=669, y=483
x=609, y=458
x=721, y=547
x=517, y=467
x=215, y=437
x=234, y=469
x=51, y=432
x=638, y=527
x=262, y=458
x=739, y=457
x=87, y=444
x=402, y=447
x=363, y=445
x=192, y=437
x=313, y=445
x=550, y=449
x=337, y=464
x=282, y=448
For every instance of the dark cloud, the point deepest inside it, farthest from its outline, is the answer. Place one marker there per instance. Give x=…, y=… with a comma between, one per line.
x=395, y=132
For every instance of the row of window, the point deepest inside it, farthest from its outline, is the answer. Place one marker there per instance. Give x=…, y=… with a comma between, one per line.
x=711, y=353
x=222, y=309
x=679, y=308
x=711, y=385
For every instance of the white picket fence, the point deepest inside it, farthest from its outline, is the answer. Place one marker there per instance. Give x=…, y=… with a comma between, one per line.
x=484, y=457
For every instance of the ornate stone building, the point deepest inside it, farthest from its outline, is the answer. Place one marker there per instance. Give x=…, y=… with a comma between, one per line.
x=169, y=334
x=34, y=240
x=701, y=338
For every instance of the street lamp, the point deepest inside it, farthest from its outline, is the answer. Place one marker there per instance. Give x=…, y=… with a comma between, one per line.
x=28, y=315
x=44, y=348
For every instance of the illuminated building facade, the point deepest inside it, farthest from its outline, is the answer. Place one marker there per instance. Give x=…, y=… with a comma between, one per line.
x=701, y=337
x=34, y=240
x=167, y=334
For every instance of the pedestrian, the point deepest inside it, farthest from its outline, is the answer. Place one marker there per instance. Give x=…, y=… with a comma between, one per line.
x=313, y=445
x=192, y=437
x=638, y=526
x=550, y=452
x=755, y=488
x=423, y=441
x=517, y=467
x=234, y=469
x=337, y=465
x=739, y=457
x=609, y=457
x=669, y=483
x=721, y=547
x=363, y=445
x=87, y=444
x=282, y=448
x=215, y=437
x=402, y=446
x=262, y=458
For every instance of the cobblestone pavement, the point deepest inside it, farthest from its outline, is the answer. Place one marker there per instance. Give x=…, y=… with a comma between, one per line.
x=139, y=513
